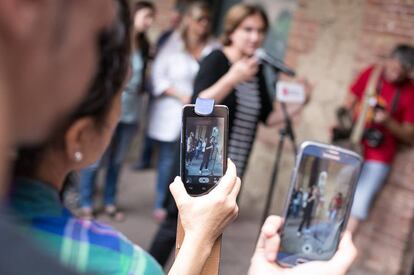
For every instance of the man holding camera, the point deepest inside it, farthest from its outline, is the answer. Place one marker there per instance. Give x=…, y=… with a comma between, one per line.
x=389, y=121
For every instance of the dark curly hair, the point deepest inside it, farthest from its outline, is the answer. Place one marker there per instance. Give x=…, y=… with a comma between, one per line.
x=114, y=55
x=404, y=53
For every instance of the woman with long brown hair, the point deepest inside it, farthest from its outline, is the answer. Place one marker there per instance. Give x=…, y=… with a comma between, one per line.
x=90, y=246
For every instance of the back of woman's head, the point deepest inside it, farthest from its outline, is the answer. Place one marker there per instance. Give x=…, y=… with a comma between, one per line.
x=114, y=51
x=236, y=15
x=142, y=5
x=112, y=69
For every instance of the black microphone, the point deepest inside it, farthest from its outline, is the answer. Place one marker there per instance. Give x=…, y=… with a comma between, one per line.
x=273, y=62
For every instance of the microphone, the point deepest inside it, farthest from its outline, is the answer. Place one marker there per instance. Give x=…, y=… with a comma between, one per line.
x=273, y=62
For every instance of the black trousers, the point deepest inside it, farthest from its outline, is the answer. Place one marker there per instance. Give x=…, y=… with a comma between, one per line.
x=163, y=242
x=206, y=159
x=307, y=218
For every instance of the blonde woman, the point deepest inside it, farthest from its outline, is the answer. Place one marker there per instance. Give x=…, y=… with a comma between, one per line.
x=174, y=70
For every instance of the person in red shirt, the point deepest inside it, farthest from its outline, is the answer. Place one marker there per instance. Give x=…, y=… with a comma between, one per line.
x=335, y=206
x=389, y=123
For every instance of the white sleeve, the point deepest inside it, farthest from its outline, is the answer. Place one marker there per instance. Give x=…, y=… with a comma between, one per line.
x=161, y=71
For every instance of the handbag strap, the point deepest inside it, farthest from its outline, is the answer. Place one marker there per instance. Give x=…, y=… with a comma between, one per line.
x=369, y=92
x=395, y=98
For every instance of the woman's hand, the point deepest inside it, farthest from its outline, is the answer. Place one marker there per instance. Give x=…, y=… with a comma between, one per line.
x=204, y=218
x=263, y=260
x=243, y=70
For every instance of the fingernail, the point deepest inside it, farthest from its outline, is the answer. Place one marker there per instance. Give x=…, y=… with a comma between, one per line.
x=268, y=228
x=271, y=256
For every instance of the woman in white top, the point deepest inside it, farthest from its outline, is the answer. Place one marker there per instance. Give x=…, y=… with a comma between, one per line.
x=174, y=70
x=143, y=18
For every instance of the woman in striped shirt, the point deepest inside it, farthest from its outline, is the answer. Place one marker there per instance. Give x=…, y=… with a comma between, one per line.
x=233, y=77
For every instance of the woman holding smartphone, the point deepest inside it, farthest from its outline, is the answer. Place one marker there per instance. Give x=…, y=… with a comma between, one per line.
x=89, y=246
x=233, y=77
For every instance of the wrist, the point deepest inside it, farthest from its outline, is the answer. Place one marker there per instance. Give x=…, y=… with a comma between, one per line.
x=200, y=244
x=200, y=239
x=231, y=81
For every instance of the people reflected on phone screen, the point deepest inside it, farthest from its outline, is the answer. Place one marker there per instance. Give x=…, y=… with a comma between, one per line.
x=204, y=150
x=317, y=209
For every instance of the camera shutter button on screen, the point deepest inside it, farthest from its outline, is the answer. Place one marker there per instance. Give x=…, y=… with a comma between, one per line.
x=203, y=180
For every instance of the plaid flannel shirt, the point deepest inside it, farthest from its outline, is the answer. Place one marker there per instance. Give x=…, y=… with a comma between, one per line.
x=86, y=246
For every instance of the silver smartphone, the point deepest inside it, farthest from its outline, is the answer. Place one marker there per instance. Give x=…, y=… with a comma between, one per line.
x=319, y=202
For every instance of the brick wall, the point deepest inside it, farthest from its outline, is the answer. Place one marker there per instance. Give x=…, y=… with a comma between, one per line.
x=384, y=24
x=330, y=41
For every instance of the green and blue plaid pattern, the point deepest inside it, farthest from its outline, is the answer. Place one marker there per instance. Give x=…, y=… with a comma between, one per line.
x=86, y=246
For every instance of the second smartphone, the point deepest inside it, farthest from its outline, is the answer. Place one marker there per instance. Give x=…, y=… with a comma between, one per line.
x=320, y=199
x=203, y=148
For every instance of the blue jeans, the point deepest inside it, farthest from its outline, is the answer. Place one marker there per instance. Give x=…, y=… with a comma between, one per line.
x=112, y=159
x=373, y=176
x=166, y=158
x=145, y=160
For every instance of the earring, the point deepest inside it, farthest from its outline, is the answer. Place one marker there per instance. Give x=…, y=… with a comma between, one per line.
x=78, y=156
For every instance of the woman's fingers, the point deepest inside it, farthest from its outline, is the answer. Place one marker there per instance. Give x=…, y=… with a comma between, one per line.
x=346, y=254
x=178, y=191
x=270, y=228
x=227, y=182
x=236, y=189
x=252, y=61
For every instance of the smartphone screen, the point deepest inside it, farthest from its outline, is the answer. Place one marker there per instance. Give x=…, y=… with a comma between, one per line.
x=321, y=195
x=203, y=149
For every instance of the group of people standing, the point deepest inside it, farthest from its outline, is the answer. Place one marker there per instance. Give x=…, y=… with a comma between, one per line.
x=200, y=146
x=90, y=48
x=188, y=63
x=170, y=86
